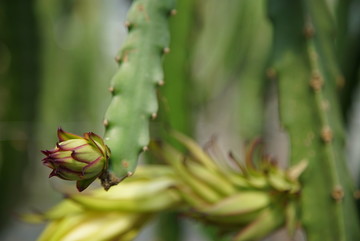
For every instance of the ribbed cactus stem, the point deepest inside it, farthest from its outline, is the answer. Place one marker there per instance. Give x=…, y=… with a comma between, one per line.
x=325, y=79
x=133, y=88
x=326, y=134
x=306, y=69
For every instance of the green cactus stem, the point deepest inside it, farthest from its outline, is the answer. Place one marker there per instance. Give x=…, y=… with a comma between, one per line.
x=133, y=88
x=307, y=75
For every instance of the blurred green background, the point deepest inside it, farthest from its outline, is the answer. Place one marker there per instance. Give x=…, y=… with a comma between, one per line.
x=56, y=61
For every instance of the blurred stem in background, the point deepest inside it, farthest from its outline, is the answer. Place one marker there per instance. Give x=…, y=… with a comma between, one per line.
x=19, y=74
x=72, y=88
x=175, y=109
x=348, y=50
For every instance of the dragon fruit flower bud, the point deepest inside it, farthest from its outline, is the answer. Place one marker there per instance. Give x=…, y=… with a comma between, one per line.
x=77, y=158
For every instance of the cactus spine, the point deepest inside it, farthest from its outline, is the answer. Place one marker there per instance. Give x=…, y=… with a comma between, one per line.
x=307, y=74
x=133, y=88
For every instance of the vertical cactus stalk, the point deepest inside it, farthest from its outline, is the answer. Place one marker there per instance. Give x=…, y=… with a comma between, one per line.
x=175, y=109
x=307, y=75
x=133, y=88
x=254, y=34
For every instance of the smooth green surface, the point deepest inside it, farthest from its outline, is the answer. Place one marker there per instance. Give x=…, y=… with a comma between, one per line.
x=134, y=100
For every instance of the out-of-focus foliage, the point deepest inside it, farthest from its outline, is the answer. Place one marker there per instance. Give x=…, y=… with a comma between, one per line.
x=241, y=69
x=19, y=84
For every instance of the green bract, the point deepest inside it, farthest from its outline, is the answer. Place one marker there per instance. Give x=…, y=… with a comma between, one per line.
x=77, y=158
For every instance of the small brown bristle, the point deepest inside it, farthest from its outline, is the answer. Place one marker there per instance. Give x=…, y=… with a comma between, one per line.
x=166, y=50
x=173, y=12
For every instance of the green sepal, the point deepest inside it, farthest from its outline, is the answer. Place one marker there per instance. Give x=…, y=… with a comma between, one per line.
x=81, y=185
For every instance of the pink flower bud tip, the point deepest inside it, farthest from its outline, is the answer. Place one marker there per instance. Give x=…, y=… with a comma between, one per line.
x=77, y=158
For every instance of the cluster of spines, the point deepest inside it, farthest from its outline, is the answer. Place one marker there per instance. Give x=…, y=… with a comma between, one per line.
x=133, y=88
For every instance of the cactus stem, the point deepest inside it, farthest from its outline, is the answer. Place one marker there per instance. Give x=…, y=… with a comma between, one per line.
x=317, y=77
x=325, y=105
x=134, y=100
x=301, y=53
x=327, y=136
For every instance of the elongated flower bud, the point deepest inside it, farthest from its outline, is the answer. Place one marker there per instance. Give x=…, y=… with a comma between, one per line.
x=77, y=158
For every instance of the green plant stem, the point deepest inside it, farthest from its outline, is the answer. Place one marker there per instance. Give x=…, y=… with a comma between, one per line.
x=306, y=71
x=133, y=88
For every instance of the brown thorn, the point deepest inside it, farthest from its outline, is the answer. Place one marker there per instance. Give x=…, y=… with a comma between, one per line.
x=357, y=194
x=106, y=122
x=125, y=163
x=127, y=24
x=337, y=193
x=111, y=89
x=316, y=82
x=326, y=134
x=117, y=59
x=153, y=116
x=340, y=81
x=141, y=8
x=173, y=12
x=271, y=73
x=161, y=82
x=166, y=50
x=145, y=148
x=309, y=31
